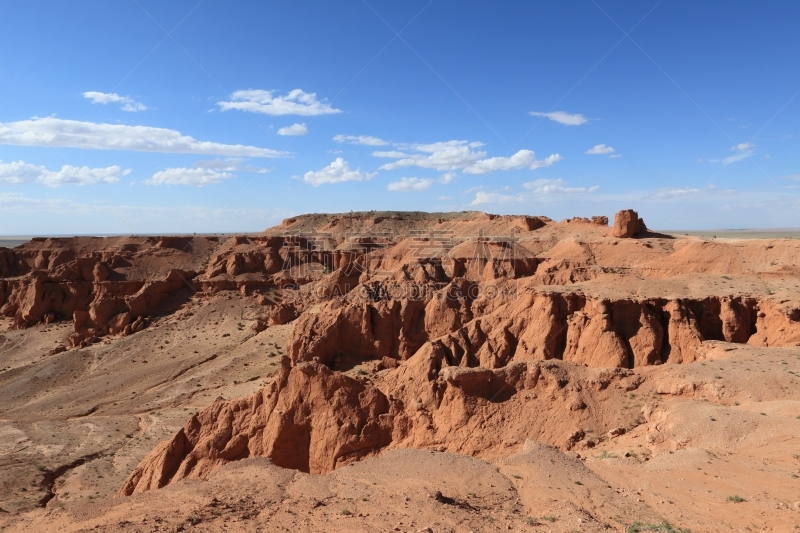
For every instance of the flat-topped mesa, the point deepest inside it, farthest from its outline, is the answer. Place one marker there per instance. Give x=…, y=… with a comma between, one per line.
x=627, y=224
x=404, y=224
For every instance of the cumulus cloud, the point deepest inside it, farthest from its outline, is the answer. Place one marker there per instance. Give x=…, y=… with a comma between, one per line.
x=539, y=190
x=448, y=155
x=90, y=135
x=482, y=197
x=522, y=159
x=194, y=177
x=447, y=177
x=459, y=155
x=546, y=162
x=337, y=172
x=17, y=172
x=410, y=185
x=128, y=103
x=296, y=102
x=365, y=140
x=567, y=119
x=600, y=149
x=294, y=130
x=559, y=186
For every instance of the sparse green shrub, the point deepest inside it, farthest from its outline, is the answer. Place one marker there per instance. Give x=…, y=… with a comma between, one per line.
x=663, y=527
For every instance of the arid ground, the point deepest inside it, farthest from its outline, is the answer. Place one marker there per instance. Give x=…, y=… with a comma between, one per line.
x=394, y=371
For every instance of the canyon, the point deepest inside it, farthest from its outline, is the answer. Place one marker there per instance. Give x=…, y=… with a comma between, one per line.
x=442, y=371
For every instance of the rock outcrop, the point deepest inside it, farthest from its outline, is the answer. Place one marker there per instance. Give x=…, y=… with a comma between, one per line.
x=479, y=317
x=315, y=420
x=309, y=418
x=627, y=224
x=533, y=326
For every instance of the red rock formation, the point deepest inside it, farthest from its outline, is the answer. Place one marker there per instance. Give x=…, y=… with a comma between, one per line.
x=592, y=340
x=309, y=418
x=775, y=327
x=626, y=224
x=462, y=329
x=315, y=420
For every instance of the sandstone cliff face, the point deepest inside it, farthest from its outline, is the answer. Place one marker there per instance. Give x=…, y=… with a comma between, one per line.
x=315, y=420
x=488, y=325
x=309, y=418
x=533, y=326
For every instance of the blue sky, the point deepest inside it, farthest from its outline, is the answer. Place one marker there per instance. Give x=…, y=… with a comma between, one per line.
x=188, y=116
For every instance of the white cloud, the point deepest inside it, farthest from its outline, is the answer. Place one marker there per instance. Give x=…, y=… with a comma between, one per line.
x=230, y=164
x=600, y=149
x=294, y=130
x=541, y=190
x=90, y=135
x=678, y=192
x=410, y=185
x=521, y=159
x=559, y=186
x=459, y=155
x=482, y=197
x=296, y=102
x=615, y=156
x=561, y=117
x=337, y=172
x=128, y=103
x=732, y=159
x=17, y=172
x=546, y=162
x=447, y=177
x=195, y=177
x=448, y=155
x=392, y=154
x=743, y=151
x=365, y=140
